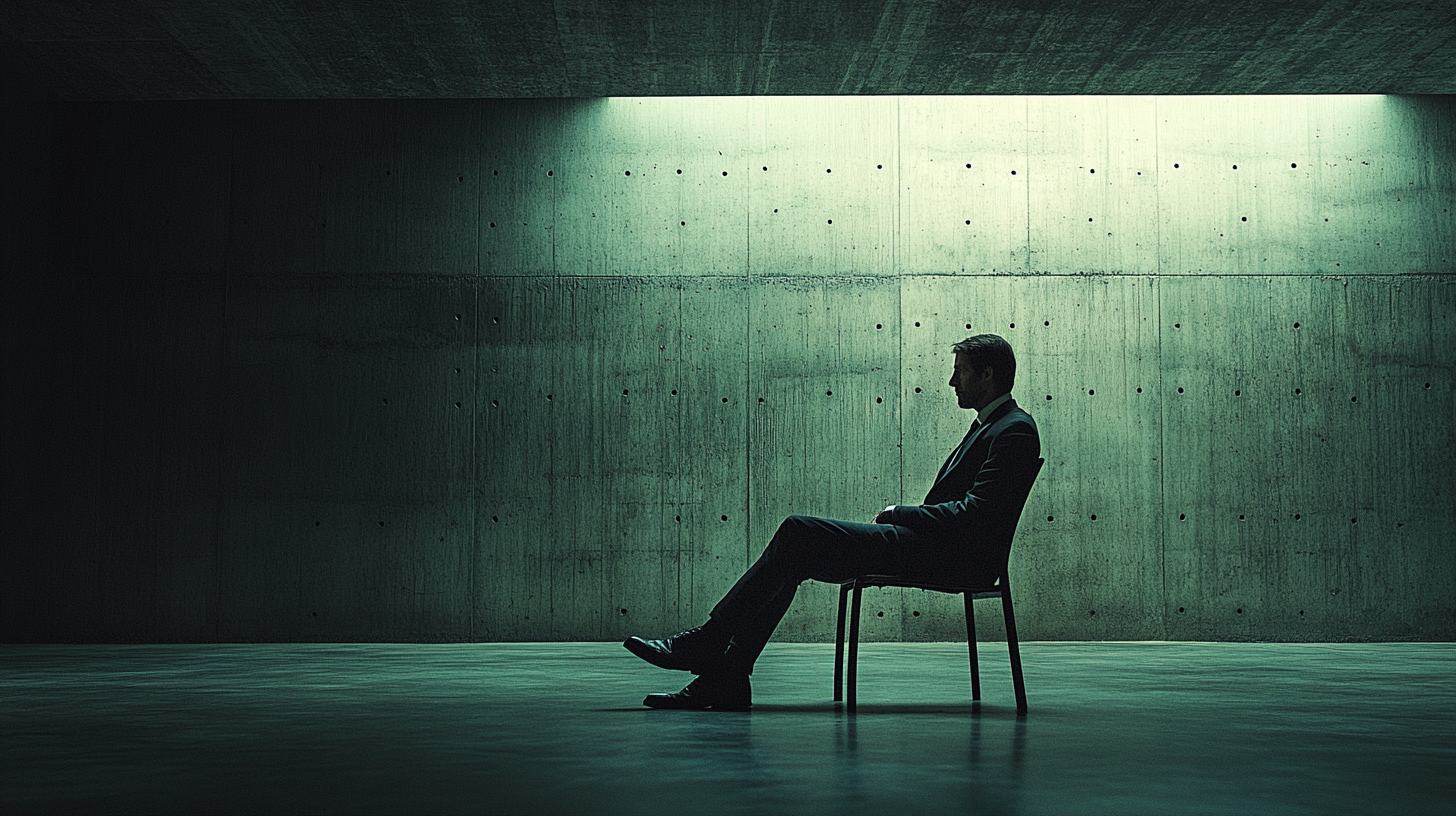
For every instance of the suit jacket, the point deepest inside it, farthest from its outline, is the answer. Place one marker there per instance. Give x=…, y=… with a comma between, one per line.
x=977, y=498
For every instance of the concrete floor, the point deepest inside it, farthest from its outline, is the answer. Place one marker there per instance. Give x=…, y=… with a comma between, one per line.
x=1157, y=728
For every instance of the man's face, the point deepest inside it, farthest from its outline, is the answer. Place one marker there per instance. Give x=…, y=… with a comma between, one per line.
x=972, y=389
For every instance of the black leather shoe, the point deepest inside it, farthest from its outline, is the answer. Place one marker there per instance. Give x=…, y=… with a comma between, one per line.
x=720, y=692
x=693, y=651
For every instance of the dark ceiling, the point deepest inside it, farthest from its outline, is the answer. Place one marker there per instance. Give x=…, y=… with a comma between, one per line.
x=244, y=49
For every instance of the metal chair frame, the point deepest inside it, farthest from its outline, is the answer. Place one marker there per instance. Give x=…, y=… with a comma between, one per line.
x=1001, y=588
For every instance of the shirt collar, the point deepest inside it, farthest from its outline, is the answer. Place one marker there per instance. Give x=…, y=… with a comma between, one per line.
x=985, y=413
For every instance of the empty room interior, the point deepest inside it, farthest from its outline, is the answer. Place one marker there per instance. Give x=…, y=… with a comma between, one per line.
x=374, y=372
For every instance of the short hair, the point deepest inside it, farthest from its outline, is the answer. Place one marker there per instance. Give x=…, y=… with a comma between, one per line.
x=990, y=350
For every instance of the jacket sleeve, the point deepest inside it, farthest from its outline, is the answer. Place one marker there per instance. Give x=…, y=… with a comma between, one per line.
x=1012, y=453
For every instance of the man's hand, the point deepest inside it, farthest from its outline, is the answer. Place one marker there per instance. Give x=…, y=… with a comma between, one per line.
x=883, y=517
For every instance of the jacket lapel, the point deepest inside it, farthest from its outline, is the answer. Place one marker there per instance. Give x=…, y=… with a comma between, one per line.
x=971, y=437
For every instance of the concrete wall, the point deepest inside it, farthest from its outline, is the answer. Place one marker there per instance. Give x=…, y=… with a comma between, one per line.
x=496, y=370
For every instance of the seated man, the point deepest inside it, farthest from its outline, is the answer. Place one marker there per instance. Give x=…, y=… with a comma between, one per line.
x=960, y=533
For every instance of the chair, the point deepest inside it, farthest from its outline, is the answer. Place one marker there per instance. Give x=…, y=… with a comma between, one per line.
x=1000, y=588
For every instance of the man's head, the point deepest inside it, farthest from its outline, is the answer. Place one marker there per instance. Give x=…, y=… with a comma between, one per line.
x=985, y=369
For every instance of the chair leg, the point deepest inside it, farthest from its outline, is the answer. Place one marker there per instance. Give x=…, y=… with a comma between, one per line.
x=854, y=645
x=839, y=646
x=1012, y=646
x=971, y=646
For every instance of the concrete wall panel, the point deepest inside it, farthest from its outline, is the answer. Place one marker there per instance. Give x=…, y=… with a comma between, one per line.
x=397, y=188
x=348, y=405
x=276, y=220
x=654, y=187
x=1237, y=186
x=520, y=161
x=822, y=178
x=962, y=160
x=1290, y=453
x=1093, y=186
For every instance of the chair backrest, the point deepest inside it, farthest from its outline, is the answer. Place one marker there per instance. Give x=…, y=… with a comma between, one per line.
x=1021, y=499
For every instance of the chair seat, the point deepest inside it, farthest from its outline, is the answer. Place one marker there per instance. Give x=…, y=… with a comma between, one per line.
x=937, y=584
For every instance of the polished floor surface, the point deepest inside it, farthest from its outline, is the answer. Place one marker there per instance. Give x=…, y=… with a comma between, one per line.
x=1118, y=728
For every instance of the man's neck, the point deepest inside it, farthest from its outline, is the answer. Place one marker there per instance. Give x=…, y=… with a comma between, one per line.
x=984, y=411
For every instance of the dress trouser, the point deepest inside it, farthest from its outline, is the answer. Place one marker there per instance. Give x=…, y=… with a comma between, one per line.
x=806, y=548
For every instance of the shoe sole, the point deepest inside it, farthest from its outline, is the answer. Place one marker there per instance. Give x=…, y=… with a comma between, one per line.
x=675, y=707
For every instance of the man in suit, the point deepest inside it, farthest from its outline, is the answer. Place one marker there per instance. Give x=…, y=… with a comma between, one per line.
x=961, y=532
